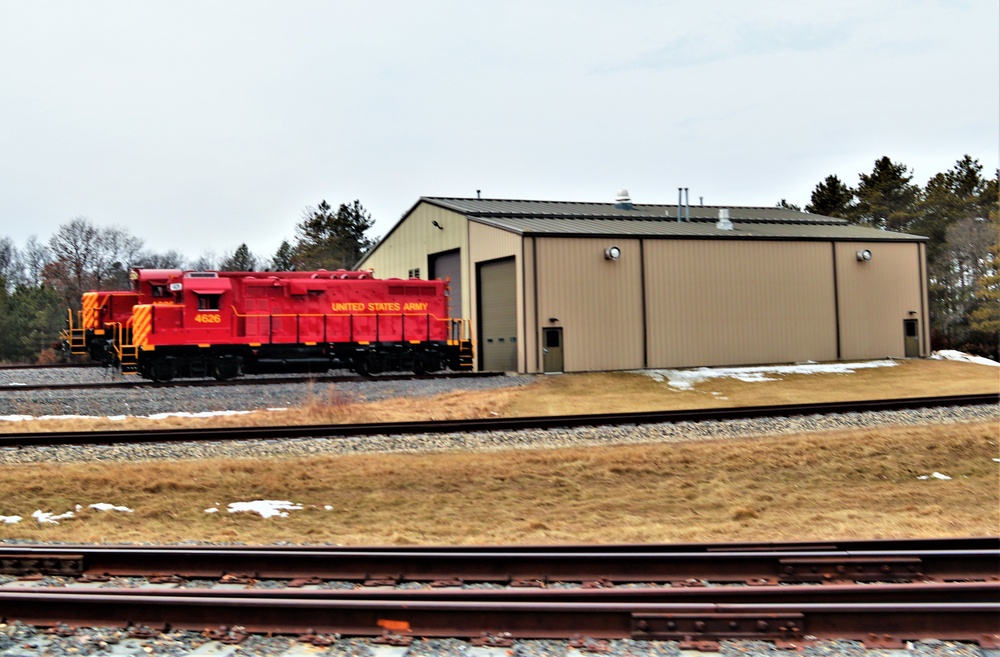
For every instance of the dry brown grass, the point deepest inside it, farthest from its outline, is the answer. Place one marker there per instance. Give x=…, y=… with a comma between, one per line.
x=844, y=484
x=583, y=393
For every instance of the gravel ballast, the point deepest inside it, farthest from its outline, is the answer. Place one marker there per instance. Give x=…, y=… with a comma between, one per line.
x=174, y=399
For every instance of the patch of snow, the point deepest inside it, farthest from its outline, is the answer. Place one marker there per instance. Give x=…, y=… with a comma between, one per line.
x=266, y=508
x=155, y=416
x=104, y=506
x=46, y=518
x=951, y=354
x=328, y=507
x=935, y=475
x=211, y=509
x=687, y=379
x=163, y=416
x=10, y=520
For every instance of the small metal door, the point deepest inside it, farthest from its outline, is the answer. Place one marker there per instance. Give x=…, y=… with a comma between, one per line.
x=552, y=350
x=911, y=338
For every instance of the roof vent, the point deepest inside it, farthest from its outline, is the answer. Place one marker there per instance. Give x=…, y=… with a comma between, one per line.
x=723, y=223
x=623, y=201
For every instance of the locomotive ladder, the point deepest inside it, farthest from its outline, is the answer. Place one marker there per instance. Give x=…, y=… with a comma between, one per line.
x=126, y=351
x=74, y=335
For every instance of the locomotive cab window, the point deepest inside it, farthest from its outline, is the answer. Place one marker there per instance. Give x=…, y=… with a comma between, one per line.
x=208, y=301
x=160, y=291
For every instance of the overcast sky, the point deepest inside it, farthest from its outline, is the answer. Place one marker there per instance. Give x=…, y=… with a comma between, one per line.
x=198, y=126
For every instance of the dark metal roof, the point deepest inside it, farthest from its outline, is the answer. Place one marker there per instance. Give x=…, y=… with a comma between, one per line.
x=604, y=219
x=574, y=210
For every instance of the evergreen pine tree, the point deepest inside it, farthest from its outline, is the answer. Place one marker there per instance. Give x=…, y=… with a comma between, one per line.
x=886, y=197
x=332, y=240
x=282, y=259
x=831, y=198
x=240, y=260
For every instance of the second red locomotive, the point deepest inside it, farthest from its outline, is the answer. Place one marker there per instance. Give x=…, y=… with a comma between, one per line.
x=177, y=323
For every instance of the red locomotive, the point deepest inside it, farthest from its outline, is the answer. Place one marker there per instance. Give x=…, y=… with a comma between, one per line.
x=177, y=323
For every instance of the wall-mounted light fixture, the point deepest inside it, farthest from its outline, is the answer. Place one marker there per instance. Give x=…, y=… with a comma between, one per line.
x=553, y=319
x=864, y=255
x=612, y=253
x=437, y=225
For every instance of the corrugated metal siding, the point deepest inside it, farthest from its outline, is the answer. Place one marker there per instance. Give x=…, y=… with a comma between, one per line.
x=876, y=296
x=598, y=302
x=734, y=303
x=407, y=247
x=586, y=227
x=489, y=243
x=529, y=349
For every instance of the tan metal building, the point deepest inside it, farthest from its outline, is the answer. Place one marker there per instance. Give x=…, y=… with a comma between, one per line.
x=561, y=286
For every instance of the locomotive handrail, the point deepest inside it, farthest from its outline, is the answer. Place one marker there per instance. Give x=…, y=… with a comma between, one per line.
x=352, y=317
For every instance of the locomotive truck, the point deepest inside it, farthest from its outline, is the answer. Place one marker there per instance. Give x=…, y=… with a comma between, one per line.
x=178, y=323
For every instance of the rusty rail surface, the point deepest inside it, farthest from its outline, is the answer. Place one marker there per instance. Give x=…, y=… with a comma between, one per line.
x=445, y=591
x=883, y=598
x=884, y=624
x=502, y=566
x=852, y=545
x=488, y=424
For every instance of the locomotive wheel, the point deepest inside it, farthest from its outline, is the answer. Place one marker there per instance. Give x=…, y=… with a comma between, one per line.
x=425, y=363
x=162, y=371
x=369, y=364
x=227, y=367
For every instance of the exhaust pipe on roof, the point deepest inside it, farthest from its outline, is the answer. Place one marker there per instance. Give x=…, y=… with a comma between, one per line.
x=680, y=192
x=724, y=223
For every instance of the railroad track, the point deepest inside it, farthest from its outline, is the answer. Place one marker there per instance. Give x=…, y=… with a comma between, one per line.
x=486, y=424
x=53, y=366
x=691, y=594
x=242, y=381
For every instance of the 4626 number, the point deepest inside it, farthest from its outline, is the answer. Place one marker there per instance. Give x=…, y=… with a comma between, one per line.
x=206, y=318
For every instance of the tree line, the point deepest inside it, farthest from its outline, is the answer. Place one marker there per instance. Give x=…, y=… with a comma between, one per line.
x=958, y=210
x=41, y=281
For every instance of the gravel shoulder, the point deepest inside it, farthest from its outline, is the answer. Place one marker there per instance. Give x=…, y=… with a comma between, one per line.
x=174, y=399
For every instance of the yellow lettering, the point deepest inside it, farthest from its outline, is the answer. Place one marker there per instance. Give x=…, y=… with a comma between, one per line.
x=347, y=307
x=413, y=307
x=381, y=307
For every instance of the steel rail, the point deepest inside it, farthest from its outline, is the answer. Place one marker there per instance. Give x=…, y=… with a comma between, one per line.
x=498, y=565
x=487, y=424
x=269, y=380
x=882, y=544
x=923, y=592
x=887, y=624
x=53, y=366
